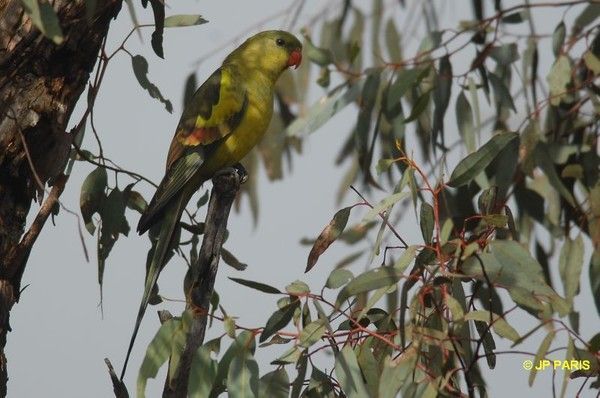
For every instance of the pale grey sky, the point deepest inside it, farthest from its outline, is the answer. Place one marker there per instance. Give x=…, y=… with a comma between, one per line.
x=59, y=337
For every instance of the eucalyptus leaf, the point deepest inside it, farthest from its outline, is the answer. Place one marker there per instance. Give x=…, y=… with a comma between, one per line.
x=469, y=167
x=175, y=21
x=509, y=265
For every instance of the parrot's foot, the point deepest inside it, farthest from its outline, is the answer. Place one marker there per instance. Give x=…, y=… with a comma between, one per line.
x=241, y=171
x=238, y=169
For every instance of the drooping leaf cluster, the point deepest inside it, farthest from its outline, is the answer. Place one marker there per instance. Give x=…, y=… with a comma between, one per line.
x=496, y=154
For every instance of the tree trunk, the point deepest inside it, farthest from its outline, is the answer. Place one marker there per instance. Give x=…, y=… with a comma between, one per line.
x=40, y=83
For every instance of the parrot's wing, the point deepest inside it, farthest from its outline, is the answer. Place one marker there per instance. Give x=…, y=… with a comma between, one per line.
x=177, y=176
x=215, y=110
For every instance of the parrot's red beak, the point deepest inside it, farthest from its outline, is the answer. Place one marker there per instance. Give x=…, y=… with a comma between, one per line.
x=295, y=59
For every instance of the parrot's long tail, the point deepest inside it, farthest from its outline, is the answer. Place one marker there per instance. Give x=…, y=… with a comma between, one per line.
x=171, y=214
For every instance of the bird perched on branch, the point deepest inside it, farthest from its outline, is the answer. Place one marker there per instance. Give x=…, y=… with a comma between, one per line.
x=224, y=120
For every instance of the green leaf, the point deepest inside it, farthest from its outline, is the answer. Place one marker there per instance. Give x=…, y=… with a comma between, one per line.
x=312, y=333
x=158, y=11
x=540, y=355
x=570, y=265
x=178, y=340
x=419, y=106
x=157, y=354
x=278, y=320
x=320, y=385
x=502, y=95
x=464, y=119
x=229, y=326
x=496, y=220
x=202, y=373
x=349, y=259
x=396, y=372
x=383, y=205
x=135, y=201
x=44, y=18
x=426, y=222
x=393, y=41
x=297, y=288
x=510, y=266
x=431, y=42
x=298, y=382
x=112, y=212
x=242, y=377
x=175, y=21
x=544, y=161
x=275, y=384
x=595, y=278
x=489, y=345
x=374, y=299
x=349, y=375
x=558, y=38
x=276, y=339
x=292, y=355
x=338, y=278
x=586, y=17
x=369, y=364
x=370, y=280
x=357, y=233
x=383, y=165
x=447, y=228
x=470, y=167
x=263, y=287
x=499, y=324
x=569, y=355
x=406, y=258
x=405, y=80
x=324, y=77
x=329, y=234
x=320, y=56
x=487, y=201
x=323, y=110
x=455, y=307
x=242, y=344
x=232, y=261
x=140, y=69
x=592, y=62
x=362, y=129
x=442, y=91
x=559, y=79
x=92, y=196
x=505, y=54
x=516, y=17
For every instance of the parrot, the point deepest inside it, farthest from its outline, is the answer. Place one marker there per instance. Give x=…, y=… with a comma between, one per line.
x=225, y=118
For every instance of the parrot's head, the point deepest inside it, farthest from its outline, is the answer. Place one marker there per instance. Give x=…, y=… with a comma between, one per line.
x=271, y=52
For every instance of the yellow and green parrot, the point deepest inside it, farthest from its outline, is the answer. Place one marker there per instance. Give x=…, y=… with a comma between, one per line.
x=224, y=120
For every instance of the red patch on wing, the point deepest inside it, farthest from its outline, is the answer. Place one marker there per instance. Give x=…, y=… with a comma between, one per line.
x=201, y=136
x=295, y=59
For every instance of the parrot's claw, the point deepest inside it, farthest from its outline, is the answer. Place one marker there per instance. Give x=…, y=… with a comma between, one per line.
x=241, y=171
x=238, y=169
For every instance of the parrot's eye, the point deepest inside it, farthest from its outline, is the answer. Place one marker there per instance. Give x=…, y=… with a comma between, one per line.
x=280, y=42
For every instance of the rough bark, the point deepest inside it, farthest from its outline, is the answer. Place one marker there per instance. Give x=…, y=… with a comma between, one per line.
x=40, y=83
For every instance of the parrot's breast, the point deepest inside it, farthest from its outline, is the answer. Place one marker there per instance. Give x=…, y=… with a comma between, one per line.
x=249, y=132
